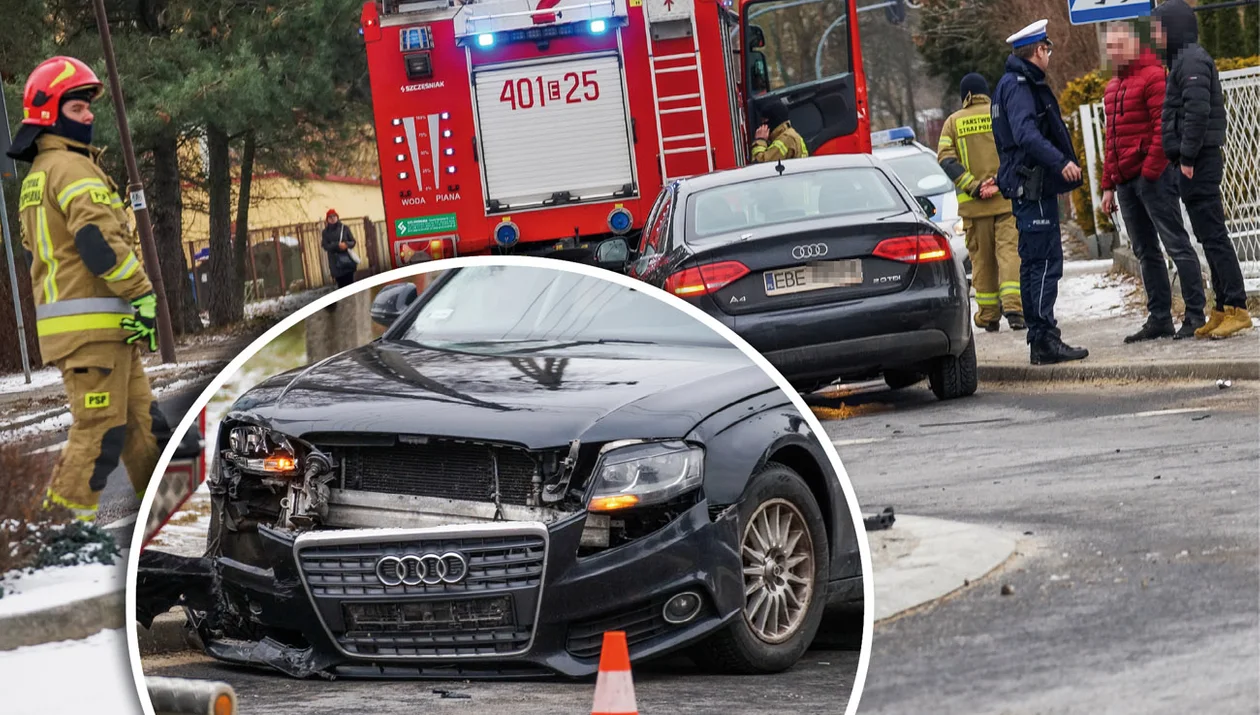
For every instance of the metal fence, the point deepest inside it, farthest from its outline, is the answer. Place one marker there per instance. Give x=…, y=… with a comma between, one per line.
x=288, y=259
x=1240, y=189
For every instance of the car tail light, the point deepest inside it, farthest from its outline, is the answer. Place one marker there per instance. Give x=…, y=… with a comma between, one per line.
x=706, y=279
x=927, y=248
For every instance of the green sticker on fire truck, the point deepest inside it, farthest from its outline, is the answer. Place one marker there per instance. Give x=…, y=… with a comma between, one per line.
x=424, y=225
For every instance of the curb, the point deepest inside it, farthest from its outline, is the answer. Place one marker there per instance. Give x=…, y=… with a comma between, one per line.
x=943, y=557
x=1180, y=370
x=169, y=633
x=67, y=622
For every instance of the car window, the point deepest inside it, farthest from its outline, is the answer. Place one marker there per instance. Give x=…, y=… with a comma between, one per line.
x=656, y=232
x=651, y=220
x=499, y=308
x=791, y=197
x=920, y=173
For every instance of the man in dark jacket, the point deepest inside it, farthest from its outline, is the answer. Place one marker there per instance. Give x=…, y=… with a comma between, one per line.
x=1037, y=164
x=1193, y=134
x=1136, y=172
x=337, y=242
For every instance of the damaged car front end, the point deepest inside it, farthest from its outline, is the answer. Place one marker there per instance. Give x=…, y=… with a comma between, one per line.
x=430, y=505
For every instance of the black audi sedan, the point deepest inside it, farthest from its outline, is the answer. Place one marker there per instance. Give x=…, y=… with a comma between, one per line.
x=828, y=266
x=527, y=458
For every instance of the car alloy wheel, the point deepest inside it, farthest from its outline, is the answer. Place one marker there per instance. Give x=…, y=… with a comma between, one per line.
x=778, y=555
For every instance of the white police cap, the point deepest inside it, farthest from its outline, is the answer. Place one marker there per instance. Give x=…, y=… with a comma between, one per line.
x=1030, y=35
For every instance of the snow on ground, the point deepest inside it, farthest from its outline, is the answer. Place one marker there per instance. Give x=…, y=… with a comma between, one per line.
x=185, y=534
x=50, y=376
x=284, y=304
x=59, y=585
x=56, y=423
x=71, y=677
x=1085, y=296
x=1101, y=265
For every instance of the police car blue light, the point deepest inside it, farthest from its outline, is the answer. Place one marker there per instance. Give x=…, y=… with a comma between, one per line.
x=620, y=220
x=892, y=136
x=507, y=234
x=485, y=39
x=598, y=26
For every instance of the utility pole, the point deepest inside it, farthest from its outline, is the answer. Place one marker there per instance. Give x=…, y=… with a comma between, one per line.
x=9, y=171
x=136, y=189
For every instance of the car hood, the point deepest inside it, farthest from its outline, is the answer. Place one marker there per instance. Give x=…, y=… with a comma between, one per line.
x=536, y=399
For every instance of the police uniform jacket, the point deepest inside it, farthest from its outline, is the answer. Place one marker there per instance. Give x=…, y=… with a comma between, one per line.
x=80, y=248
x=1029, y=130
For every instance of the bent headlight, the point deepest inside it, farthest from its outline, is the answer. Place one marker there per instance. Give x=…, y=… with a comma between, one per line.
x=260, y=451
x=648, y=473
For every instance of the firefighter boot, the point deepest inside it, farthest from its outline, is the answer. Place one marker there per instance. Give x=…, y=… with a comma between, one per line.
x=1215, y=318
x=96, y=380
x=1016, y=321
x=1236, y=320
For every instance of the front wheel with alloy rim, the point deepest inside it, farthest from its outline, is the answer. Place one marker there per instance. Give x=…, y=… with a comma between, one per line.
x=783, y=546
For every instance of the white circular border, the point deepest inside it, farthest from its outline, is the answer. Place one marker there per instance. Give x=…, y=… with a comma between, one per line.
x=855, y=514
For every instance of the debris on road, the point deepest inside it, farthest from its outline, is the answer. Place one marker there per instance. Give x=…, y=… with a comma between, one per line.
x=1008, y=590
x=452, y=694
x=879, y=521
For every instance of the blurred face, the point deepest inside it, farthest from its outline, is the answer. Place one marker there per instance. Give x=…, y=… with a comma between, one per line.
x=78, y=110
x=1041, y=57
x=1122, y=45
x=332, y=219
x=1157, y=35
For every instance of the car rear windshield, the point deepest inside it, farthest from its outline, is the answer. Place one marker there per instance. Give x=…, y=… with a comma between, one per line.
x=790, y=197
x=504, y=308
x=920, y=173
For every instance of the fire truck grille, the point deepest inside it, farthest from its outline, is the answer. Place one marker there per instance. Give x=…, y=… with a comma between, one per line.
x=446, y=469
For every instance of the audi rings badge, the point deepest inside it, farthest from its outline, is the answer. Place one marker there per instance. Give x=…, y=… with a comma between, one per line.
x=416, y=569
x=809, y=250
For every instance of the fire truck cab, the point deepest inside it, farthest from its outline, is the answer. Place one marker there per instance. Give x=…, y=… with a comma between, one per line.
x=532, y=126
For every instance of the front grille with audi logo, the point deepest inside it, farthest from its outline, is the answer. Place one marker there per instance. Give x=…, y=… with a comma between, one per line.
x=809, y=250
x=456, y=591
x=428, y=569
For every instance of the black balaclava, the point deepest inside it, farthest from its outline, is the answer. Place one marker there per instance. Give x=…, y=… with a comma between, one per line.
x=973, y=83
x=67, y=127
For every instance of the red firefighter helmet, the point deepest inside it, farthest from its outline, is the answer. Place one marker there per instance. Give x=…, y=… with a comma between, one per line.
x=52, y=80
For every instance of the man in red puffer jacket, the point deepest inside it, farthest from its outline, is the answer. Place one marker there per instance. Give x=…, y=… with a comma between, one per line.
x=1136, y=172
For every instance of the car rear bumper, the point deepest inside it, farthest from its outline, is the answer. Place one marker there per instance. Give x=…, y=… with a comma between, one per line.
x=860, y=338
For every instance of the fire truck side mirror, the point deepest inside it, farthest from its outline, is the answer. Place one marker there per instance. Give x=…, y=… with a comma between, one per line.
x=760, y=74
x=391, y=302
x=756, y=38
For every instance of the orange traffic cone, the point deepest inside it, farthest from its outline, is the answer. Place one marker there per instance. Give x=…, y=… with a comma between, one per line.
x=614, y=688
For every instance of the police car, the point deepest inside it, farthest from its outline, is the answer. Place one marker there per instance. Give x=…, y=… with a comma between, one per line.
x=916, y=166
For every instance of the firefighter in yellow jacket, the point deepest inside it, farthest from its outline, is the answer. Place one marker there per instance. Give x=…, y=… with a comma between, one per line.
x=776, y=139
x=969, y=156
x=94, y=305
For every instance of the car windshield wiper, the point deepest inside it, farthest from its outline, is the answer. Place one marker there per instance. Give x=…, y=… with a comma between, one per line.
x=515, y=345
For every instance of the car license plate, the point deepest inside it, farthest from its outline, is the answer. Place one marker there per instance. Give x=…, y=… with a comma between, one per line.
x=814, y=276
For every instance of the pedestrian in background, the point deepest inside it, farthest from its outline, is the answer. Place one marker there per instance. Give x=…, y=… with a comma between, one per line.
x=1037, y=164
x=338, y=242
x=969, y=156
x=1138, y=177
x=1193, y=134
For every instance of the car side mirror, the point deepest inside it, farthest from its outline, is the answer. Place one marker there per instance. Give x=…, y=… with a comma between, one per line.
x=613, y=254
x=391, y=302
x=926, y=204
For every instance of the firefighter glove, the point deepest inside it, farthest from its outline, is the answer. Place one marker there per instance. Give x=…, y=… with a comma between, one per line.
x=143, y=324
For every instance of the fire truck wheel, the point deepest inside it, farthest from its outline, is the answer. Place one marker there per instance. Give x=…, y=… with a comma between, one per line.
x=784, y=550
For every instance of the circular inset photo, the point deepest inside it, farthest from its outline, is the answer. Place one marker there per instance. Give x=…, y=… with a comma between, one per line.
x=527, y=484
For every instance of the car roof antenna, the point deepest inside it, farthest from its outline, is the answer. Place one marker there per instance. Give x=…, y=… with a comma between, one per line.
x=779, y=167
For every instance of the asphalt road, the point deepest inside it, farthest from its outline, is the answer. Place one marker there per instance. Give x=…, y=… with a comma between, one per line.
x=1135, y=588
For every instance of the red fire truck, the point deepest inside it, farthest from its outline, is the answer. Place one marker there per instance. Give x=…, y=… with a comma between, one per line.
x=535, y=125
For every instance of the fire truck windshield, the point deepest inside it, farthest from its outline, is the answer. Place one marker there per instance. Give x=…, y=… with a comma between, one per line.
x=795, y=197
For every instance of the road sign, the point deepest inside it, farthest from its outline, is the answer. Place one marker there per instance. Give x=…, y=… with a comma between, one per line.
x=1085, y=12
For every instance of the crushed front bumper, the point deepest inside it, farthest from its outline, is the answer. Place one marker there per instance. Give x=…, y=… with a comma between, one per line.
x=528, y=604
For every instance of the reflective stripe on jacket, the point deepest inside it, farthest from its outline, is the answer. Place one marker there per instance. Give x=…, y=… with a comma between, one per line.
x=85, y=269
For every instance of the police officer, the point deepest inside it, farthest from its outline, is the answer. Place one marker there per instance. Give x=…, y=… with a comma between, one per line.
x=968, y=155
x=775, y=138
x=1037, y=164
x=94, y=305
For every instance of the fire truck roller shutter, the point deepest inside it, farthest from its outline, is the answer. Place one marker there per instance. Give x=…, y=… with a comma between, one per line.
x=553, y=127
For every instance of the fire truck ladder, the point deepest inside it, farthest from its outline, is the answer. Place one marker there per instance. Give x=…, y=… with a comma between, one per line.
x=674, y=144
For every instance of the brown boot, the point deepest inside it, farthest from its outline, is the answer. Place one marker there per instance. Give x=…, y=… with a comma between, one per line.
x=1236, y=320
x=1215, y=318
